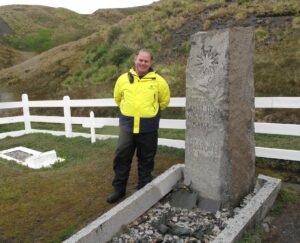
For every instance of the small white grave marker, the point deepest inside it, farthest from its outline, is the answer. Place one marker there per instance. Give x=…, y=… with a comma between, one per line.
x=92, y=124
x=31, y=158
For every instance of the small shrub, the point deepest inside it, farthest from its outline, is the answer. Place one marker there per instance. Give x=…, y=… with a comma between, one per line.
x=97, y=55
x=69, y=81
x=261, y=34
x=88, y=72
x=113, y=34
x=78, y=73
x=219, y=13
x=296, y=22
x=240, y=2
x=206, y=24
x=241, y=15
x=185, y=47
x=175, y=22
x=120, y=53
x=108, y=72
x=193, y=7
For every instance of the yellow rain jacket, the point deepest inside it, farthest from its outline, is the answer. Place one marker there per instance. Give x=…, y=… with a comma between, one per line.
x=140, y=100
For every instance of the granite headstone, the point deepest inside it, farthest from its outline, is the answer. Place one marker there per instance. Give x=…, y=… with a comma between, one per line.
x=220, y=146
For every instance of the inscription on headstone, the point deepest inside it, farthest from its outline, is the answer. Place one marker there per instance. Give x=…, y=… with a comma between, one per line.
x=220, y=156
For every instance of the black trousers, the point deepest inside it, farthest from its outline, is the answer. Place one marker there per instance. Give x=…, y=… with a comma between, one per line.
x=145, y=145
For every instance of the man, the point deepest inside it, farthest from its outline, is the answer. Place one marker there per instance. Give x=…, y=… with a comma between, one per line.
x=140, y=94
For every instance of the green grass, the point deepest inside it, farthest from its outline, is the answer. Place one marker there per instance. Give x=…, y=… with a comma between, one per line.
x=254, y=235
x=50, y=204
x=277, y=141
x=286, y=196
x=11, y=127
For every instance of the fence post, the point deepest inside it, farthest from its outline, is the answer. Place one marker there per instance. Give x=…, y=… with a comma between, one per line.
x=93, y=133
x=26, y=113
x=67, y=116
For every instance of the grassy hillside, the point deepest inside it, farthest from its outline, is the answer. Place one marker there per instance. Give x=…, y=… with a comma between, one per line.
x=39, y=28
x=42, y=75
x=10, y=57
x=87, y=68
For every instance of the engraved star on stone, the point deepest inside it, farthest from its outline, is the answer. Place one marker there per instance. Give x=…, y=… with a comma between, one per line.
x=207, y=60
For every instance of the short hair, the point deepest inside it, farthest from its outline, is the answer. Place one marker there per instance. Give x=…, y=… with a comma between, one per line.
x=145, y=50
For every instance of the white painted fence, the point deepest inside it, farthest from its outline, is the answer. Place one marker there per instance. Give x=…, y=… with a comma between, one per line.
x=92, y=122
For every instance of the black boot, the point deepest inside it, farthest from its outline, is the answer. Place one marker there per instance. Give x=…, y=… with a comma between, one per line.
x=115, y=196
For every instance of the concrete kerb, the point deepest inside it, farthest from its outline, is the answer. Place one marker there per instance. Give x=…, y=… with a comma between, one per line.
x=254, y=212
x=110, y=223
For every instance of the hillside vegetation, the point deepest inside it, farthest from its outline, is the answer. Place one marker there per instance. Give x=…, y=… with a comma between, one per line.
x=39, y=28
x=88, y=67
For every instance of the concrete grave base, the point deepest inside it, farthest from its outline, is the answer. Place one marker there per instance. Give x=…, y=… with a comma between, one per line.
x=30, y=157
x=254, y=212
x=110, y=223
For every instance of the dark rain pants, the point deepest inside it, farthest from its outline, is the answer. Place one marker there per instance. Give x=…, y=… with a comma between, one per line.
x=145, y=145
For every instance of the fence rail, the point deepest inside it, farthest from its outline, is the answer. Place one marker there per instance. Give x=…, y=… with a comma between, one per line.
x=67, y=104
x=277, y=102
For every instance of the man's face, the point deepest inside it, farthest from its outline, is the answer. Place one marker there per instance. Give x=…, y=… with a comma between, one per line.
x=142, y=63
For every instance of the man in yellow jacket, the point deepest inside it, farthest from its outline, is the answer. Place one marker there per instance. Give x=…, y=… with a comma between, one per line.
x=140, y=94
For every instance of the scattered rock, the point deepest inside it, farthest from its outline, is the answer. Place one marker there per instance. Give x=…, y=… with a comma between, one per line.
x=165, y=222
